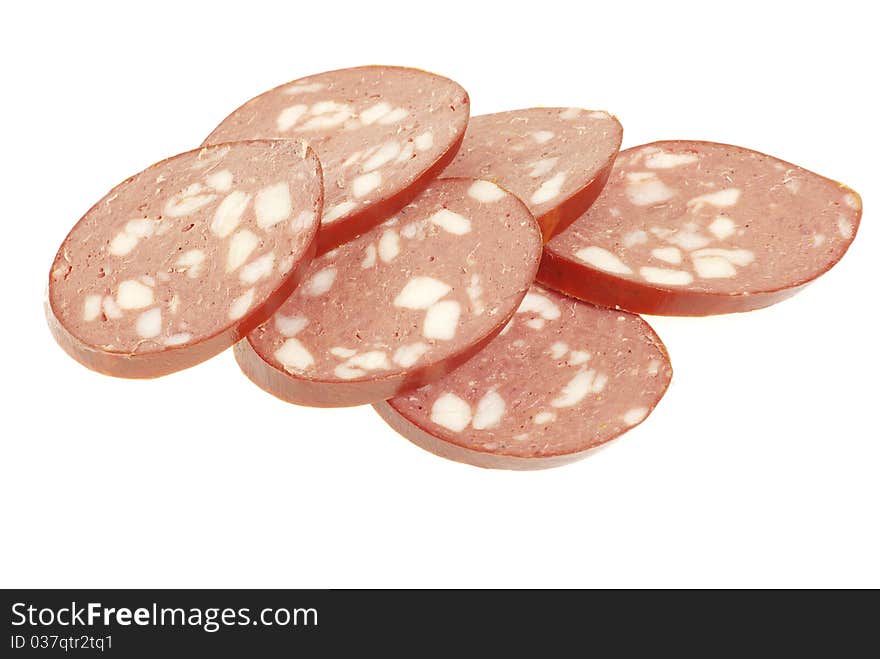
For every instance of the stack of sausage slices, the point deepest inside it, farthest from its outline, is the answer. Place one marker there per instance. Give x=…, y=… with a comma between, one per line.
x=359, y=241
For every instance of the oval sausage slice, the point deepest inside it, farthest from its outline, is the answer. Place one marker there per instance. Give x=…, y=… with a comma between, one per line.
x=179, y=261
x=562, y=378
x=697, y=228
x=402, y=304
x=382, y=134
x=555, y=159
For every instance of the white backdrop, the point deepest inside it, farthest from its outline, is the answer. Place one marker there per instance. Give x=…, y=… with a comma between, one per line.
x=759, y=468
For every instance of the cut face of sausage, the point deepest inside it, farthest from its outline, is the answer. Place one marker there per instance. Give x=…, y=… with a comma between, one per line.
x=555, y=159
x=562, y=378
x=181, y=260
x=402, y=304
x=697, y=228
x=382, y=134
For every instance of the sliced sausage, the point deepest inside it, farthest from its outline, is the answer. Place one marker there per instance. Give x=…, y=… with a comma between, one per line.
x=179, y=261
x=562, y=378
x=555, y=159
x=382, y=134
x=697, y=228
x=402, y=304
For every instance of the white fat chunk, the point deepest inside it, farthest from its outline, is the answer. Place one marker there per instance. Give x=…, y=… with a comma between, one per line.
x=293, y=356
x=451, y=221
x=602, y=259
x=578, y=357
x=288, y=117
x=209, y=155
x=132, y=294
x=303, y=220
x=273, y=205
x=241, y=246
x=665, y=276
x=539, y=304
x=365, y=183
x=441, y=320
x=668, y=254
x=111, y=309
x=375, y=112
x=346, y=372
x=475, y=294
x=389, y=245
x=241, y=304
x=485, y=192
x=409, y=354
x=542, y=167
x=140, y=227
x=647, y=190
x=326, y=121
x=688, y=240
x=188, y=201
x=489, y=412
x=721, y=198
x=122, y=243
x=424, y=141
x=290, y=325
x=386, y=153
x=320, y=282
x=575, y=390
x=191, y=262
x=328, y=107
x=91, y=307
x=303, y=87
x=229, y=212
x=178, y=339
x=190, y=257
x=543, y=418
x=637, y=237
x=558, y=350
x=337, y=211
x=740, y=257
x=451, y=412
x=407, y=153
x=149, y=323
x=369, y=259
x=713, y=267
x=851, y=199
x=257, y=269
x=549, y=189
x=397, y=114
x=635, y=415
x=372, y=360
x=664, y=160
x=722, y=227
x=421, y=292
x=221, y=181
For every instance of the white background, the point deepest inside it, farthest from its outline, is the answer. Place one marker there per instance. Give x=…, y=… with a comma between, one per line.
x=761, y=467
